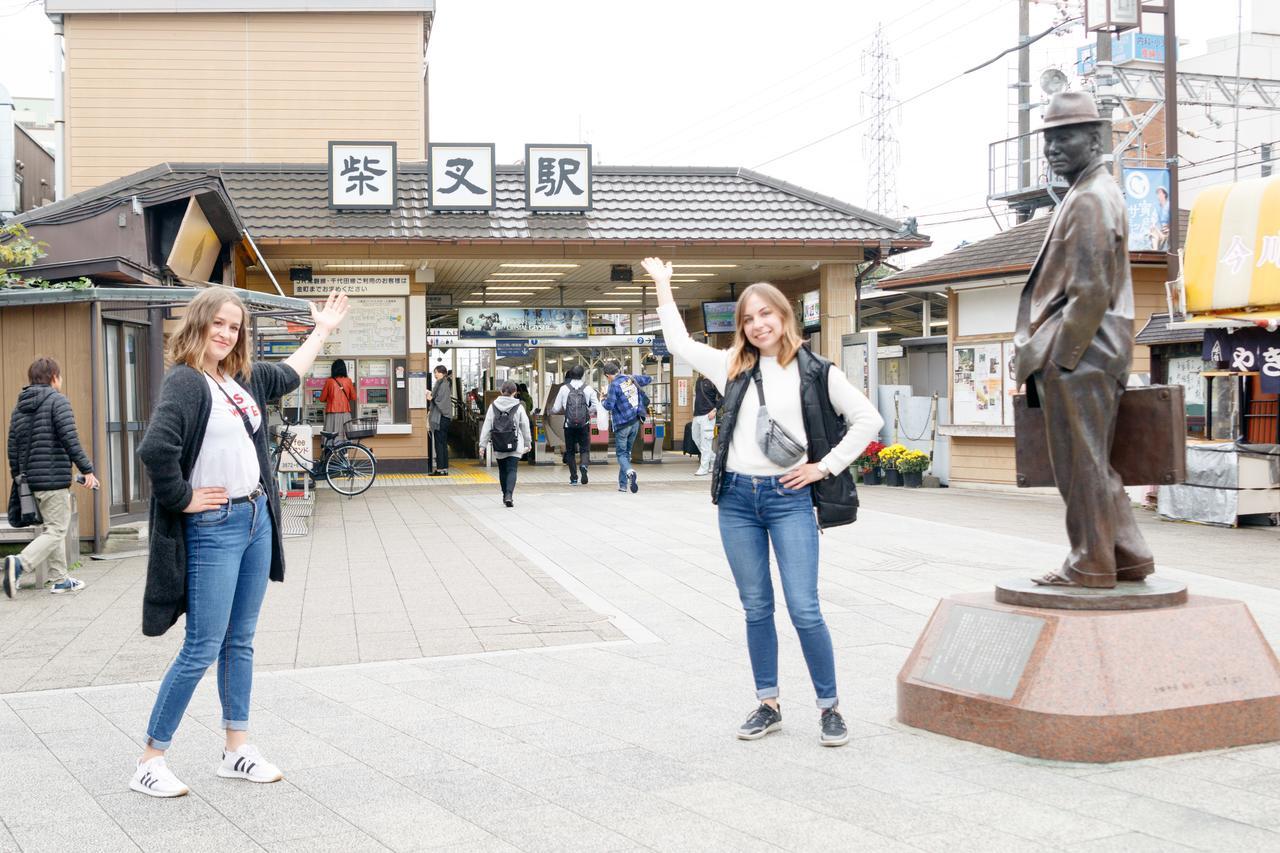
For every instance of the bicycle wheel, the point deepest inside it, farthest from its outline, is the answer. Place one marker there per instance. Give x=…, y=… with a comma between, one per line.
x=350, y=469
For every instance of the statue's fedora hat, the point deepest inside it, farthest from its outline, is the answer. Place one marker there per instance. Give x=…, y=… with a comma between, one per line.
x=1066, y=108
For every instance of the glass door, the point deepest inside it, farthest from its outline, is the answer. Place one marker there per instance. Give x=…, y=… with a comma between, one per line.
x=127, y=412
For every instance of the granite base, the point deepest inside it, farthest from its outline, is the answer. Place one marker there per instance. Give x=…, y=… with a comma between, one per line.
x=1093, y=686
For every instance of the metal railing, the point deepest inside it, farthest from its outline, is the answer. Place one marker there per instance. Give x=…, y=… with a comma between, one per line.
x=1017, y=169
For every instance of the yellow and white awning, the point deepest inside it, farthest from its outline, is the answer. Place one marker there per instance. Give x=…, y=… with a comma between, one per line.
x=1232, y=261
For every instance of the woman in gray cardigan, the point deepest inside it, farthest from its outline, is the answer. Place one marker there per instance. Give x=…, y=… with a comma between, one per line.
x=214, y=537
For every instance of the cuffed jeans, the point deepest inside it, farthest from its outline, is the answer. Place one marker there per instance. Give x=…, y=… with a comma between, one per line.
x=623, y=438
x=755, y=511
x=704, y=433
x=228, y=563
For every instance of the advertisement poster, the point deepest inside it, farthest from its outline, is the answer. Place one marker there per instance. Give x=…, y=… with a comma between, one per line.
x=1146, y=197
x=522, y=322
x=1010, y=381
x=978, y=384
x=812, y=316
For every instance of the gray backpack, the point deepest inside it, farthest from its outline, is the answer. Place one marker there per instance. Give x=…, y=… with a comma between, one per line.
x=576, y=411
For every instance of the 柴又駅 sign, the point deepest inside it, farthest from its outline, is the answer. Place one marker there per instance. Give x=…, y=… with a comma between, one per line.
x=460, y=177
x=362, y=175
x=557, y=177
x=354, y=285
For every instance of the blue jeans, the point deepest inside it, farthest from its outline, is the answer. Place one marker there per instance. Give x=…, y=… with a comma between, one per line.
x=623, y=437
x=228, y=562
x=753, y=512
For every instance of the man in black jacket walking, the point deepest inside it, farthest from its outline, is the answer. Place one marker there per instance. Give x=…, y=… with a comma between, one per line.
x=42, y=445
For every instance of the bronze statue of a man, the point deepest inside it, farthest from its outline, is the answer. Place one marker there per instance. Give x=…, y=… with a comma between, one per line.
x=1074, y=345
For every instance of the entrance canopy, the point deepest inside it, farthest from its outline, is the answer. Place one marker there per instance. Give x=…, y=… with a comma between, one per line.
x=1232, y=268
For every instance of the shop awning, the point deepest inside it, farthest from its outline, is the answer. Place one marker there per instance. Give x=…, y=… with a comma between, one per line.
x=1232, y=262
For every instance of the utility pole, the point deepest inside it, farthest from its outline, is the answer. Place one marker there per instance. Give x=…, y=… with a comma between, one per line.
x=1024, y=103
x=1171, y=135
x=879, y=141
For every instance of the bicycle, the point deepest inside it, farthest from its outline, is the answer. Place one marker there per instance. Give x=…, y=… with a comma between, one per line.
x=345, y=464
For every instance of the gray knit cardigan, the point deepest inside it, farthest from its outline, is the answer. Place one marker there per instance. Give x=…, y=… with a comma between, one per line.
x=169, y=450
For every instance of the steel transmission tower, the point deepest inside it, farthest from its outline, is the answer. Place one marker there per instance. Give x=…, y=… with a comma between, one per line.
x=880, y=150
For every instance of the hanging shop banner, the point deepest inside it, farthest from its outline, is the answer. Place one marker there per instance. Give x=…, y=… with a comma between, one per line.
x=522, y=322
x=1232, y=264
x=557, y=177
x=1146, y=198
x=518, y=348
x=461, y=177
x=1248, y=351
x=353, y=285
x=810, y=312
x=362, y=175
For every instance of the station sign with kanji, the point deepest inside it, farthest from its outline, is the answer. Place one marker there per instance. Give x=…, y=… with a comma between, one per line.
x=557, y=177
x=461, y=177
x=362, y=175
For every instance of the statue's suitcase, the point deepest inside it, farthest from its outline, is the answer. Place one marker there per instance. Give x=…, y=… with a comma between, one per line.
x=1150, y=446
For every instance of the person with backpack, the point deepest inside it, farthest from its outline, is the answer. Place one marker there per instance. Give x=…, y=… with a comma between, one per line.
x=627, y=407
x=42, y=445
x=791, y=425
x=577, y=401
x=706, y=399
x=508, y=434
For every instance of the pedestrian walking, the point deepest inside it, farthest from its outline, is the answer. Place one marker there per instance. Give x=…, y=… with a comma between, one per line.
x=626, y=405
x=215, y=537
x=507, y=434
x=706, y=399
x=43, y=444
x=441, y=416
x=338, y=396
x=784, y=456
x=577, y=401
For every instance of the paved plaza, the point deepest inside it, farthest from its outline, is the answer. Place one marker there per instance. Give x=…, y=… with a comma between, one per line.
x=440, y=672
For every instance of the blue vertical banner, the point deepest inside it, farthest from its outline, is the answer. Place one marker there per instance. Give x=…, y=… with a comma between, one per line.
x=1146, y=196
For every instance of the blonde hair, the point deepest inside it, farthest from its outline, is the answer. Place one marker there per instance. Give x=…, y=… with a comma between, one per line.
x=188, y=343
x=743, y=355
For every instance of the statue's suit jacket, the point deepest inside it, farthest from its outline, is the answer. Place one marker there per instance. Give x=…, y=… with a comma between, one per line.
x=1079, y=296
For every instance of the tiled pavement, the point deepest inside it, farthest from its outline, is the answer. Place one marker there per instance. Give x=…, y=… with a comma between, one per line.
x=486, y=735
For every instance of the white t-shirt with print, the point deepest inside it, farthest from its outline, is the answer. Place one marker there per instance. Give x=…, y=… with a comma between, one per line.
x=227, y=458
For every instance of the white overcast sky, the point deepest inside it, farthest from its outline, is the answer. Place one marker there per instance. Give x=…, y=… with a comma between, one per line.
x=722, y=82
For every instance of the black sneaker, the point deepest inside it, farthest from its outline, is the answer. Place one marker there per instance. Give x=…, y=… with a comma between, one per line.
x=582, y=469
x=631, y=481
x=11, y=573
x=834, y=731
x=763, y=720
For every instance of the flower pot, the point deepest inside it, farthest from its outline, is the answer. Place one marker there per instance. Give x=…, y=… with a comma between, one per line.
x=892, y=477
x=911, y=479
x=871, y=477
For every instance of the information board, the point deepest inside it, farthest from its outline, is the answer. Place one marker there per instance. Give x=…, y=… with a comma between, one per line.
x=375, y=325
x=983, y=651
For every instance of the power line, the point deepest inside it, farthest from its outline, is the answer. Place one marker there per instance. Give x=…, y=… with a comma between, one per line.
x=914, y=97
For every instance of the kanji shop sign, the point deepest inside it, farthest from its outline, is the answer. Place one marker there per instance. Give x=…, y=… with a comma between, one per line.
x=362, y=175
x=557, y=177
x=461, y=177
x=1247, y=350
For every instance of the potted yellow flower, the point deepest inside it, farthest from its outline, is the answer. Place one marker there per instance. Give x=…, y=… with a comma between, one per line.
x=912, y=465
x=889, y=462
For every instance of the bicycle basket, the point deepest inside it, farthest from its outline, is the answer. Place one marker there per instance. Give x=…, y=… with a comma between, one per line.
x=362, y=427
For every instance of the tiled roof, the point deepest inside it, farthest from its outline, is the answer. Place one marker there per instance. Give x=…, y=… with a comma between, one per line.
x=1157, y=331
x=641, y=203
x=1010, y=252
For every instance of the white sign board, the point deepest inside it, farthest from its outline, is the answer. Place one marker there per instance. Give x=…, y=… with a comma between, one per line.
x=300, y=444
x=374, y=326
x=354, y=285
x=362, y=175
x=977, y=389
x=461, y=177
x=557, y=177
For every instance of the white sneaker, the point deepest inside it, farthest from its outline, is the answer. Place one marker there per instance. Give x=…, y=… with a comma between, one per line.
x=247, y=763
x=155, y=779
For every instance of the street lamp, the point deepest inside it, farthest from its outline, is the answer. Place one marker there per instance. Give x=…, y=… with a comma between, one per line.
x=1113, y=16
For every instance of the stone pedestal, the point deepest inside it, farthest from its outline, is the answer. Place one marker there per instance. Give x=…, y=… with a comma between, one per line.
x=1093, y=685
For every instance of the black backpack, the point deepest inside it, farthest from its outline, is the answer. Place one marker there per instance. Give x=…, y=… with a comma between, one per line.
x=576, y=411
x=503, y=434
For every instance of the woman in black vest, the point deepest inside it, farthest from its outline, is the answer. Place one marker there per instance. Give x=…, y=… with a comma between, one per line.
x=214, y=539
x=780, y=426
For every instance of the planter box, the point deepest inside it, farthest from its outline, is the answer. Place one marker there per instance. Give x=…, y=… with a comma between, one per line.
x=892, y=477
x=911, y=479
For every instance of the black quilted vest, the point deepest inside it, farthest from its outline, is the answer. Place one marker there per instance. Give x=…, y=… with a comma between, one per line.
x=834, y=497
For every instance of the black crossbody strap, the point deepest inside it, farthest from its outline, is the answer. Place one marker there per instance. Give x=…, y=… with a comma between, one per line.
x=248, y=424
x=755, y=377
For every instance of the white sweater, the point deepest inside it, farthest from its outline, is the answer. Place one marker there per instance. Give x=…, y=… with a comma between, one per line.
x=782, y=396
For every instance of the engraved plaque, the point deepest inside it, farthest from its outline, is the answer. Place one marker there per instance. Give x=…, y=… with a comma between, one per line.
x=983, y=651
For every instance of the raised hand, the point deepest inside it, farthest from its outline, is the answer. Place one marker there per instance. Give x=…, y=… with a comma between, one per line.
x=659, y=271
x=332, y=314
